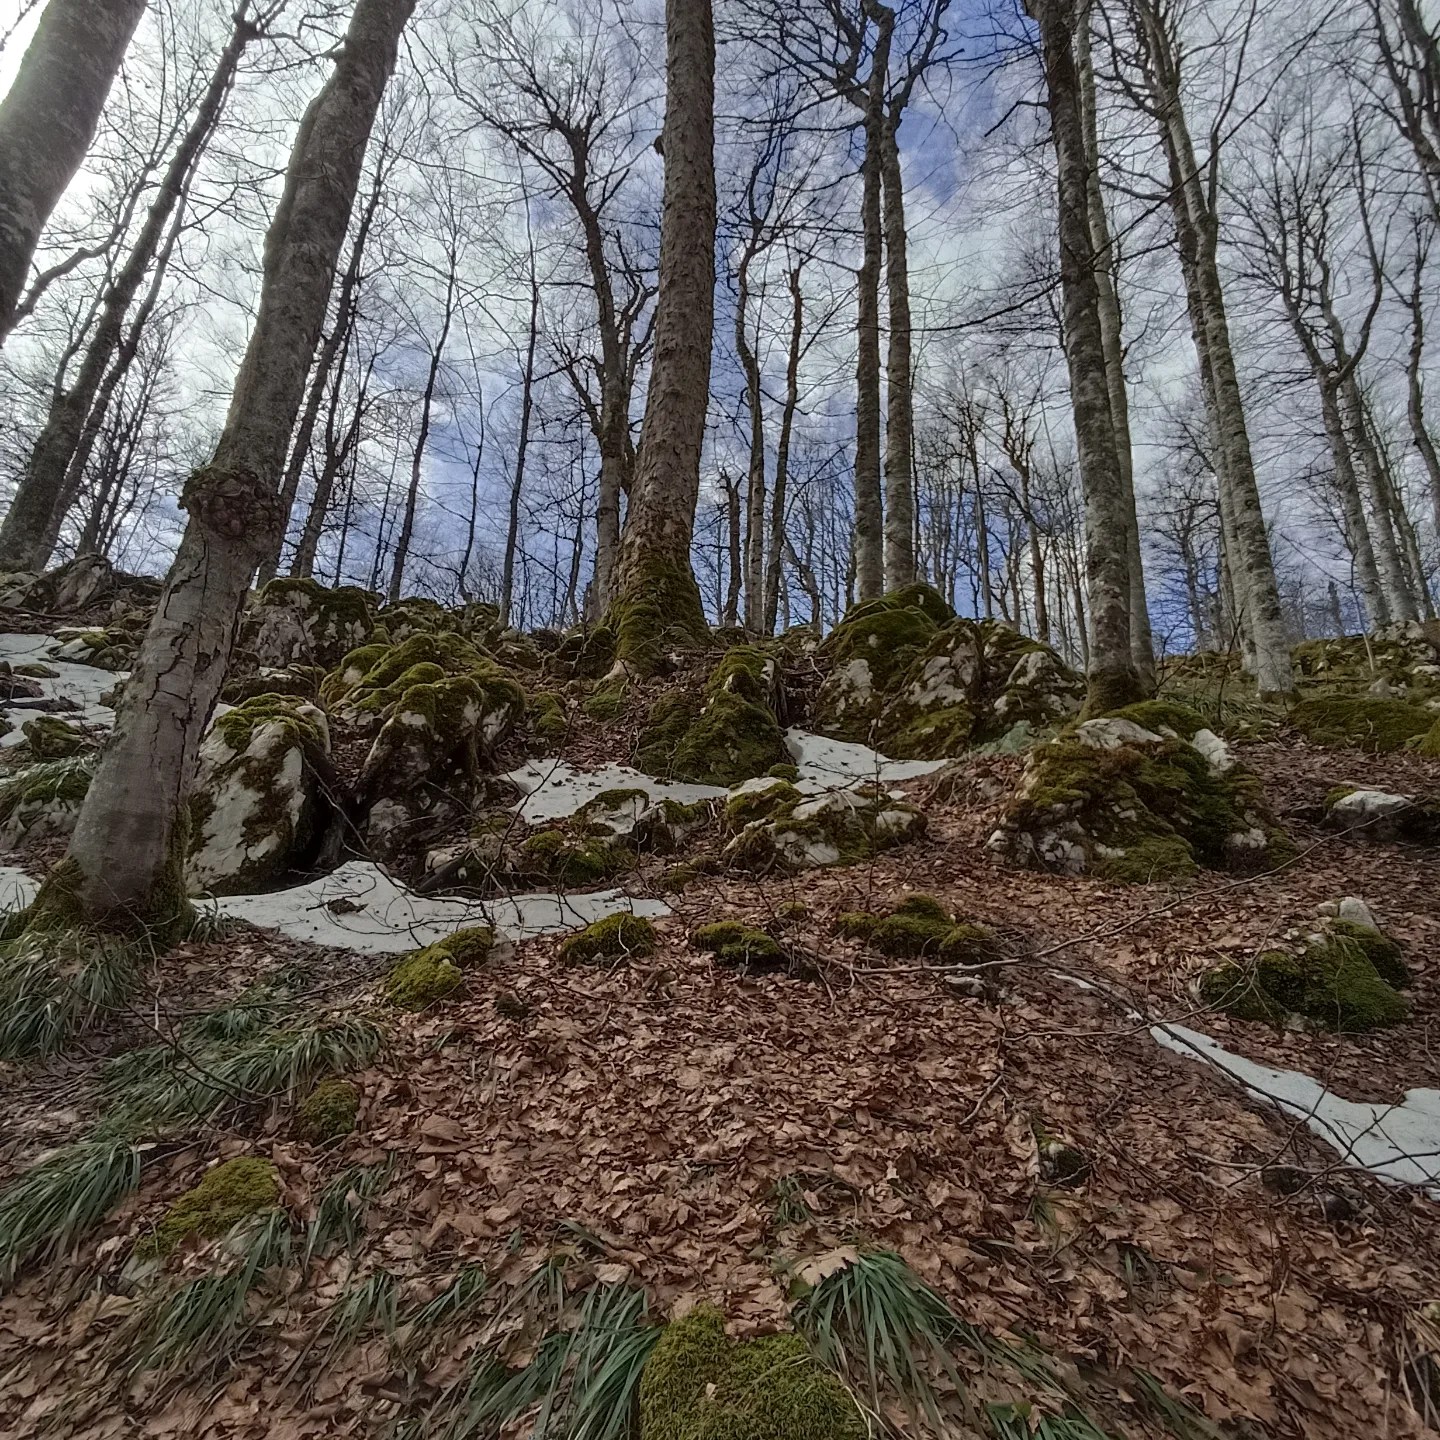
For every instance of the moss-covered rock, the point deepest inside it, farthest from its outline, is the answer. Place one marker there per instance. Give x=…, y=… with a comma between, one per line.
x=726, y=735
x=569, y=859
x=608, y=941
x=426, y=976
x=43, y=801
x=297, y=621
x=921, y=928
x=733, y=942
x=328, y=1112
x=584, y=654
x=51, y=738
x=548, y=720
x=1380, y=815
x=231, y=1193
x=301, y=681
x=609, y=701
x=698, y=1384
x=1112, y=798
x=1361, y=722
x=257, y=803
x=1334, y=981
x=793, y=832
x=108, y=649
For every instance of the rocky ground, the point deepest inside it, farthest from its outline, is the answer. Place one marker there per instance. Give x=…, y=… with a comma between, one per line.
x=1140, y=1214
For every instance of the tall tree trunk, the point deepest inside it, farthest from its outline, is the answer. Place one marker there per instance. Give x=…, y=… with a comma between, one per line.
x=869, y=506
x=899, y=404
x=427, y=402
x=1252, y=564
x=1357, y=528
x=734, y=551
x=1112, y=335
x=1415, y=397
x=782, y=453
x=522, y=449
x=656, y=599
x=754, y=567
x=126, y=859
x=339, y=452
x=47, y=121
x=346, y=305
x=42, y=489
x=1387, y=548
x=1112, y=679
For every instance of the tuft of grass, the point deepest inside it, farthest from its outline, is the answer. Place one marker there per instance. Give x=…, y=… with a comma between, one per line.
x=882, y=1329
x=200, y=1325
x=57, y=984
x=454, y=1304
x=344, y=1202
x=52, y=1205
x=372, y=1307
x=1010, y=1421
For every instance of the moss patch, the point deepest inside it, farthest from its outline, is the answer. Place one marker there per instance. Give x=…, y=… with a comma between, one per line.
x=698, y=1384
x=547, y=717
x=920, y=927
x=1333, y=982
x=571, y=861
x=426, y=976
x=614, y=938
x=658, y=611
x=1379, y=726
x=231, y=1192
x=51, y=738
x=733, y=942
x=609, y=701
x=328, y=1112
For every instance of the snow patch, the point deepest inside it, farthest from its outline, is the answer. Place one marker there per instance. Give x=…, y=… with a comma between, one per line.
x=555, y=790
x=1400, y=1142
x=17, y=889
x=82, y=684
x=359, y=907
x=827, y=764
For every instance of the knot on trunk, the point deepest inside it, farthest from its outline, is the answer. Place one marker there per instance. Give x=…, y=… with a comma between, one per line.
x=232, y=503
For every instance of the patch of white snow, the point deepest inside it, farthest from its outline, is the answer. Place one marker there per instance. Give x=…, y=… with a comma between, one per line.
x=82, y=684
x=554, y=790
x=827, y=764
x=17, y=889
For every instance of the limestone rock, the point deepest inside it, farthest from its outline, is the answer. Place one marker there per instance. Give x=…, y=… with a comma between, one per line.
x=42, y=801
x=296, y=621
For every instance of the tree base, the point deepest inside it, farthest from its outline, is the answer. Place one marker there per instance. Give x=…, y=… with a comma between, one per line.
x=1113, y=689
x=656, y=608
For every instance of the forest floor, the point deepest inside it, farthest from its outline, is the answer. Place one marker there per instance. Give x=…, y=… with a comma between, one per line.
x=707, y=1134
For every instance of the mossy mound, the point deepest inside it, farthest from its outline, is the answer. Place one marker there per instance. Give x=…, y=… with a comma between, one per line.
x=569, y=860
x=426, y=976
x=584, y=654
x=921, y=928
x=229, y=1194
x=51, y=738
x=296, y=621
x=608, y=941
x=1379, y=815
x=698, y=1384
x=658, y=612
x=1402, y=657
x=257, y=802
x=778, y=828
x=328, y=1112
x=1342, y=980
x=733, y=942
x=1361, y=722
x=608, y=702
x=548, y=720
x=44, y=800
x=1112, y=798
x=110, y=649
x=300, y=681
x=729, y=733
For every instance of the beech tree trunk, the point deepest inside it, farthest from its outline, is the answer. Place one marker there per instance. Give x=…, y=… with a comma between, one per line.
x=47, y=121
x=1357, y=528
x=126, y=860
x=869, y=505
x=1388, y=561
x=1415, y=395
x=655, y=597
x=522, y=449
x=1112, y=679
x=1111, y=333
x=773, y=573
x=1252, y=565
x=754, y=565
x=42, y=490
x=899, y=404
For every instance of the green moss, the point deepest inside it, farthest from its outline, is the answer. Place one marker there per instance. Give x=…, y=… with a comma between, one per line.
x=735, y=943
x=230, y=1193
x=345, y=604
x=1380, y=950
x=1430, y=741
x=569, y=860
x=300, y=681
x=609, y=702
x=613, y=938
x=783, y=772
x=1337, y=794
x=678, y=877
x=919, y=596
x=759, y=804
x=920, y=927
x=51, y=738
x=1367, y=723
x=328, y=1112
x=36, y=672
x=1157, y=716
x=618, y=798
x=237, y=727
x=586, y=654
x=698, y=1384
x=547, y=717
x=658, y=611
x=665, y=727
x=1332, y=982
x=1149, y=859
x=1112, y=689
x=425, y=976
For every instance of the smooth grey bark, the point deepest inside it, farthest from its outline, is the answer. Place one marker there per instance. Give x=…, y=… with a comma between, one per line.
x=754, y=549
x=126, y=857
x=522, y=444
x=1415, y=389
x=1357, y=528
x=899, y=400
x=417, y=459
x=777, y=541
x=1112, y=679
x=869, y=504
x=27, y=537
x=47, y=121
x=1252, y=564
x=1398, y=595
x=654, y=569
x=1142, y=643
